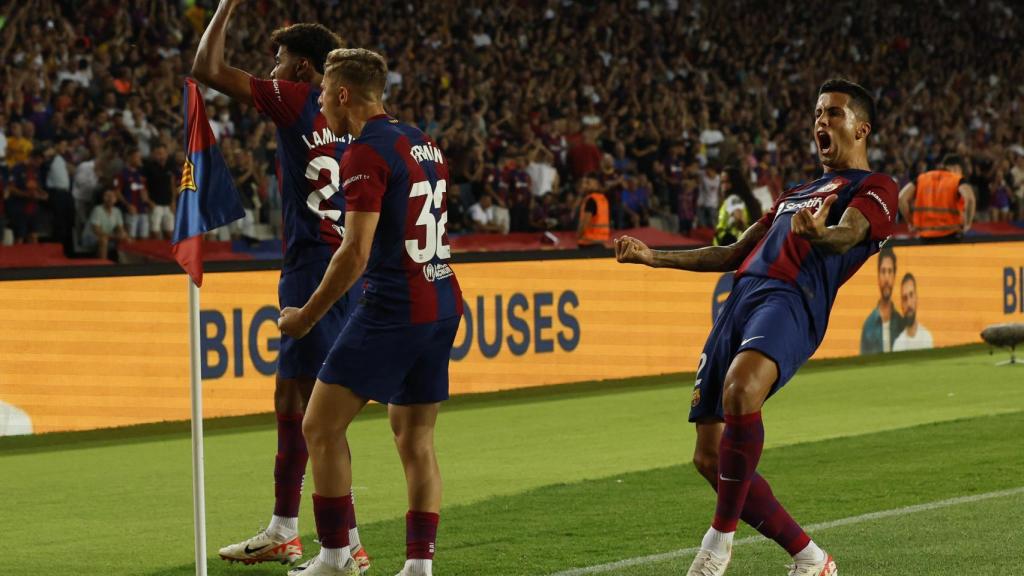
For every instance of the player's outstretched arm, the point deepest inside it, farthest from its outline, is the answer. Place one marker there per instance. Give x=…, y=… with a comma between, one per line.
x=209, y=66
x=852, y=229
x=347, y=264
x=629, y=250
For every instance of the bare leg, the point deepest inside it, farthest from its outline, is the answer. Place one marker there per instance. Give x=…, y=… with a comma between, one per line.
x=413, y=427
x=331, y=409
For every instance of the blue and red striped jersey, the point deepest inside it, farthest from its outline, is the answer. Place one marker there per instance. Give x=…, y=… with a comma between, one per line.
x=130, y=182
x=396, y=170
x=308, y=170
x=816, y=272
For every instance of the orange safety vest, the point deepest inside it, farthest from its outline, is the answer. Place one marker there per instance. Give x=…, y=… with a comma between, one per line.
x=599, y=230
x=938, y=207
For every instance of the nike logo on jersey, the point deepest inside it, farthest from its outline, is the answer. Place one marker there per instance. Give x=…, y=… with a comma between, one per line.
x=744, y=343
x=254, y=550
x=724, y=479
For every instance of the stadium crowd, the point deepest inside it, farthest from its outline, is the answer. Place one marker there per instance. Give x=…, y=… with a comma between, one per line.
x=668, y=107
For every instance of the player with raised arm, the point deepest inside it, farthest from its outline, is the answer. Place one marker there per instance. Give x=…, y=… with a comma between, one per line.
x=395, y=347
x=308, y=155
x=789, y=267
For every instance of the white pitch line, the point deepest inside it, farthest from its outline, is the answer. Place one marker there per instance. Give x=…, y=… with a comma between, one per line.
x=641, y=560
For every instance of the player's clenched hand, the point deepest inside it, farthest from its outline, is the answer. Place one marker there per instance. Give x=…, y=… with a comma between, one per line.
x=629, y=250
x=293, y=322
x=811, y=225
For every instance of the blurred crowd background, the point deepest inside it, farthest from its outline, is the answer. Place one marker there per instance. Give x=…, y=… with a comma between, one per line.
x=667, y=107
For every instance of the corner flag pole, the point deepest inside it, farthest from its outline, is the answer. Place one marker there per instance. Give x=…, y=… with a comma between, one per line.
x=207, y=199
x=198, y=486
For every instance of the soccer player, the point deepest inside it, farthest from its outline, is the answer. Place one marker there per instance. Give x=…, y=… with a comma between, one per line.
x=308, y=169
x=789, y=266
x=396, y=345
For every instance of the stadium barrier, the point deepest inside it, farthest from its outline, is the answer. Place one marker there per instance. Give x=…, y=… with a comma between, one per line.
x=83, y=353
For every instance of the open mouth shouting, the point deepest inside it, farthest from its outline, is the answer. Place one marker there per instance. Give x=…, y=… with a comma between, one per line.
x=824, y=142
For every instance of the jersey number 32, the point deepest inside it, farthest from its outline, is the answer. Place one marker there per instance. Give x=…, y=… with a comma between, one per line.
x=433, y=244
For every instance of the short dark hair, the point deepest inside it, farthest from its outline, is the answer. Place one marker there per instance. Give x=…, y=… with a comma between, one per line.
x=311, y=41
x=886, y=252
x=908, y=277
x=954, y=160
x=859, y=96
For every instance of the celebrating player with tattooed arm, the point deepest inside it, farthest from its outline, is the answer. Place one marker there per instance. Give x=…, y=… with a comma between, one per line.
x=789, y=266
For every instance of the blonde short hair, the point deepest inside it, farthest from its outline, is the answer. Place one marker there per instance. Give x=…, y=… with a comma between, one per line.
x=362, y=71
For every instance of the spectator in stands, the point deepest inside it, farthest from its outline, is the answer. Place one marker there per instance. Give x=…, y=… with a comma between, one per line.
x=61, y=203
x=585, y=157
x=456, y=211
x=488, y=217
x=1002, y=195
x=884, y=324
x=709, y=196
x=24, y=195
x=939, y=204
x=4, y=192
x=686, y=198
x=3, y=139
x=133, y=196
x=520, y=194
x=158, y=172
x=248, y=186
x=18, y=146
x=978, y=172
x=565, y=211
x=84, y=188
x=428, y=123
x=541, y=169
x=497, y=185
x=543, y=215
x=1017, y=177
x=117, y=79
x=611, y=181
x=645, y=148
x=914, y=336
x=220, y=122
x=635, y=202
x=106, y=225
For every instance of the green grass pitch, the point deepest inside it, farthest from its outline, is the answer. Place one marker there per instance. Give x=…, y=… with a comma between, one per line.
x=549, y=481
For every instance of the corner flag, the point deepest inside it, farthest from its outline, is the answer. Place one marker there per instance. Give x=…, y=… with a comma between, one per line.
x=207, y=197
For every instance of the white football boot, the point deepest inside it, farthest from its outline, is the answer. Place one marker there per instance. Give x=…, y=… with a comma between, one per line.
x=264, y=547
x=707, y=563
x=316, y=567
x=825, y=567
x=359, y=555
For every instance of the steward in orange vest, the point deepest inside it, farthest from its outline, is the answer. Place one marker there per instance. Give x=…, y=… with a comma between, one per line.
x=595, y=218
x=939, y=204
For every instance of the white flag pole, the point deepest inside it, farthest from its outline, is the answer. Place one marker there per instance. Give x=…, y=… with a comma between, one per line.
x=198, y=486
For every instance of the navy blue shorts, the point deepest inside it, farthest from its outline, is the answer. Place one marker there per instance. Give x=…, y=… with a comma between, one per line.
x=303, y=358
x=760, y=314
x=392, y=363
